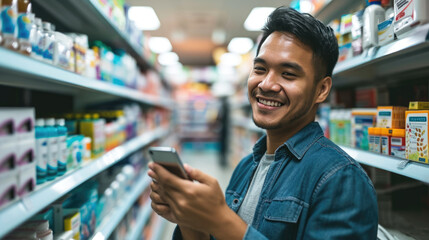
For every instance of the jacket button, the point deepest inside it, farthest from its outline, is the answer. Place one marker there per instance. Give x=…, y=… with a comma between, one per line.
x=235, y=201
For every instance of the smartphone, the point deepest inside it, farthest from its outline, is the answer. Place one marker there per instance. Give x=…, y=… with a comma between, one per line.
x=169, y=159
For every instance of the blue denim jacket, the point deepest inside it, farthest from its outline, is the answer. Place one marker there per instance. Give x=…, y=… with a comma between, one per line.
x=313, y=190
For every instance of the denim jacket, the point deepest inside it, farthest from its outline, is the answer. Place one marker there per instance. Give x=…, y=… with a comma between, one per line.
x=313, y=190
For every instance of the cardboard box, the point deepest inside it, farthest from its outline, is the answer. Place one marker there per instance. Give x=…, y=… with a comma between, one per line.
x=416, y=136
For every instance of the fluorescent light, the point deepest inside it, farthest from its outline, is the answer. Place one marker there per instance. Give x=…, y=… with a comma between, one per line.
x=160, y=45
x=144, y=17
x=240, y=45
x=306, y=6
x=257, y=18
x=230, y=59
x=168, y=58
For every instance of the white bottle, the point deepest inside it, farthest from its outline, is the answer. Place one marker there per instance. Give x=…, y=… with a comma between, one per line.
x=62, y=146
x=409, y=13
x=373, y=15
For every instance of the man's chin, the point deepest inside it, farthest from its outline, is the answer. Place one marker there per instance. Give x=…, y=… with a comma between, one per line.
x=266, y=126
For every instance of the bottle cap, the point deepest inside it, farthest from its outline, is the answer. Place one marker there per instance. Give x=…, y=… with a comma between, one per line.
x=46, y=26
x=61, y=122
x=50, y=122
x=40, y=122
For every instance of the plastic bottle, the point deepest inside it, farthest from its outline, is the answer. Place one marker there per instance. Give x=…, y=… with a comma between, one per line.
x=397, y=143
x=386, y=134
x=62, y=146
x=52, y=148
x=373, y=15
x=24, y=24
x=48, y=42
x=36, y=37
x=9, y=14
x=377, y=140
x=41, y=151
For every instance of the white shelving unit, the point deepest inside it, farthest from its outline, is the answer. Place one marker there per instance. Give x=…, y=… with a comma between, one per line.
x=110, y=222
x=143, y=217
x=413, y=170
x=19, y=211
x=335, y=8
x=34, y=74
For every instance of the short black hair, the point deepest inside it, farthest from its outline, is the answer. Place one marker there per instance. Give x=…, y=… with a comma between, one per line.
x=310, y=31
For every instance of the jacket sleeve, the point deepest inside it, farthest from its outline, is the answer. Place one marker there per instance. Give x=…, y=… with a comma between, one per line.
x=343, y=206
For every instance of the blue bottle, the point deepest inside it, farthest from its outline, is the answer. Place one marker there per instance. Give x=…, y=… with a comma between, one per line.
x=52, y=132
x=62, y=147
x=41, y=151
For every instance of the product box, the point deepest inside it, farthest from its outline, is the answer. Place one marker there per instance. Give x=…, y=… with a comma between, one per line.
x=24, y=123
x=25, y=152
x=385, y=32
x=419, y=105
x=8, y=186
x=26, y=179
x=94, y=129
x=416, y=136
x=75, y=151
x=7, y=126
x=362, y=119
x=397, y=143
x=7, y=157
x=391, y=117
x=72, y=222
x=408, y=14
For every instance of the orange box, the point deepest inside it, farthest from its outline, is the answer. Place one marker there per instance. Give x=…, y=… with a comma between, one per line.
x=391, y=117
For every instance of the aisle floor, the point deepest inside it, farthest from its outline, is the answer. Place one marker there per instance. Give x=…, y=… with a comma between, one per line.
x=208, y=162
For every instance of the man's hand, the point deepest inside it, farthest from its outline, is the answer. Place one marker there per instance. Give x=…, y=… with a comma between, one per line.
x=196, y=205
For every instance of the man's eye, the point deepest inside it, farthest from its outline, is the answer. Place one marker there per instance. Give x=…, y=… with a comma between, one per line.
x=259, y=69
x=288, y=74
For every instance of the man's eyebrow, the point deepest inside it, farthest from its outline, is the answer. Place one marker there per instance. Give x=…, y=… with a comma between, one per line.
x=292, y=65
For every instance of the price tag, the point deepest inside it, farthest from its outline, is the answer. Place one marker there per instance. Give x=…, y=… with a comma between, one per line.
x=403, y=164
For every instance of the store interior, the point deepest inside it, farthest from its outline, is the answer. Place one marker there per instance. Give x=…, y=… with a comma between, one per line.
x=87, y=86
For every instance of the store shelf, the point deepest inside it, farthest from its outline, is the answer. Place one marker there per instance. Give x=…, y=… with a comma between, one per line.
x=413, y=170
x=158, y=226
x=143, y=217
x=19, y=211
x=85, y=16
x=22, y=71
x=248, y=124
x=335, y=8
x=399, y=59
x=110, y=222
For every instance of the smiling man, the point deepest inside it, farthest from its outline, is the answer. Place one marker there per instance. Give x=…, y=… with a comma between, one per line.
x=296, y=184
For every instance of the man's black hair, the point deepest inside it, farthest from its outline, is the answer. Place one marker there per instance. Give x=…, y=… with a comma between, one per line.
x=310, y=31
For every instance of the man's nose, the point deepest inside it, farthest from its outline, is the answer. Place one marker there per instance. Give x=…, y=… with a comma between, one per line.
x=269, y=83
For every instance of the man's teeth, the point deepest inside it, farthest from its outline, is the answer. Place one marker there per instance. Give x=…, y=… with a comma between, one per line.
x=270, y=103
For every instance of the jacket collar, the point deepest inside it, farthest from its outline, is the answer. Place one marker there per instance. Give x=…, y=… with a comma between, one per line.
x=297, y=145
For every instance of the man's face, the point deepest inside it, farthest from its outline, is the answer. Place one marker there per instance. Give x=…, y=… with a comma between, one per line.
x=282, y=85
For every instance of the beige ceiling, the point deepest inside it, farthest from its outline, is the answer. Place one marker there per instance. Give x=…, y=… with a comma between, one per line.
x=189, y=24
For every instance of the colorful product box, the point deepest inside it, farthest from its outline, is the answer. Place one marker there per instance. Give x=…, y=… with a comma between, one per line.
x=362, y=119
x=416, y=136
x=72, y=223
x=94, y=129
x=397, y=143
x=391, y=117
x=419, y=105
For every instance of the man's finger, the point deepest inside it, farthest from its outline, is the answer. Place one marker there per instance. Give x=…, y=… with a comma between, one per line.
x=167, y=179
x=160, y=209
x=198, y=175
x=156, y=198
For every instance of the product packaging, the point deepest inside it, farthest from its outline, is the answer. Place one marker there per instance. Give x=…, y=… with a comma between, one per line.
x=408, y=14
x=64, y=53
x=36, y=39
x=24, y=23
x=419, y=105
x=9, y=15
x=41, y=151
x=72, y=222
x=8, y=186
x=397, y=143
x=93, y=127
x=48, y=42
x=391, y=117
x=7, y=157
x=357, y=28
x=75, y=151
x=377, y=140
x=385, y=32
x=373, y=15
x=362, y=119
x=52, y=132
x=371, y=139
x=62, y=146
x=26, y=179
x=417, y=136
x=386, y=134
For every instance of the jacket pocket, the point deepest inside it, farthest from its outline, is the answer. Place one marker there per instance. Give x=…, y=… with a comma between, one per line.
x=287, y=210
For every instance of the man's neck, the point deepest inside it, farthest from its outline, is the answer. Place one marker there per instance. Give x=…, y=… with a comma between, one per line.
x=276, y=137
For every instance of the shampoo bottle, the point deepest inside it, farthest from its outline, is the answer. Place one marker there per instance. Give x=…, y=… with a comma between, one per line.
x=41, y=151
x=52, y=132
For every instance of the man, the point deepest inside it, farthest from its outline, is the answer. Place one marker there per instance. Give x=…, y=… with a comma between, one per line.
x=297, y=184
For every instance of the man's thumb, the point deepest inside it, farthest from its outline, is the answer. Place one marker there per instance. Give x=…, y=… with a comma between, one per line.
x=197, y=175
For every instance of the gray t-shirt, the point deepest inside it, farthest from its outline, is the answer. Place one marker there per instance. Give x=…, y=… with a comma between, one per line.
x=248, y=207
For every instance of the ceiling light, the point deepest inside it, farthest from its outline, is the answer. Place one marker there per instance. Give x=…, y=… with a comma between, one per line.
x=144, y=17
x=168, y=58
x=306, y=6
x=257, y=18
x=230, y=59
x=160, y=45
x=240, y=45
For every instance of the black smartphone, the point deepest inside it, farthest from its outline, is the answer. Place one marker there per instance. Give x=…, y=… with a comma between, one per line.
x=169, y=159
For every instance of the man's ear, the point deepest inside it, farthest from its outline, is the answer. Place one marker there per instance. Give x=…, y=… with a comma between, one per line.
x=323, y=89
